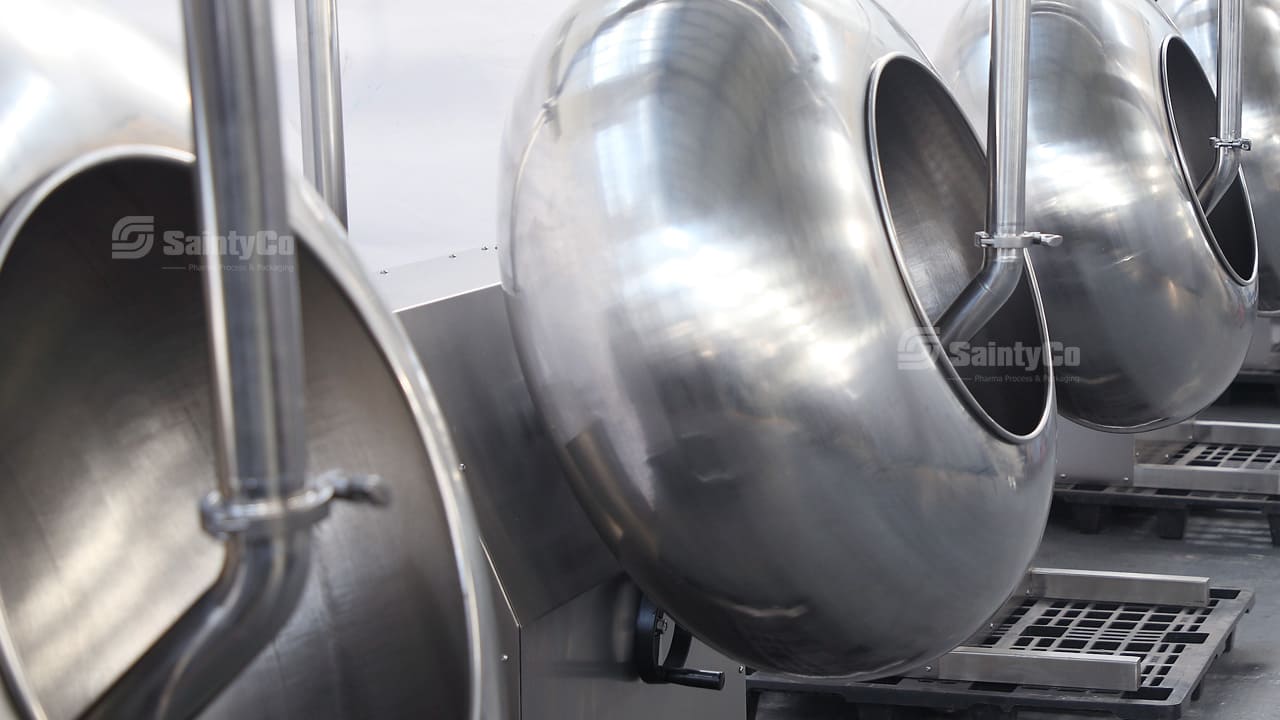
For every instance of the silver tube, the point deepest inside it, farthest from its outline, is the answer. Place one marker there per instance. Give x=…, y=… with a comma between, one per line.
x=1007, y=118
x=983, y=297
x=1230, y=142
x=1007, y=178
x=320, y=84
x=256, y=345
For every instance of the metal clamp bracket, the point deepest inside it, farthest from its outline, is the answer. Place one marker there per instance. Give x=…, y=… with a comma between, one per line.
x=1244, y=144
x=302, y=510
x=1016, y=242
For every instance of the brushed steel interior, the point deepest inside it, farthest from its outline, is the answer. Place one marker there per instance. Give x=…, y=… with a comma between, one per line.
x=1198, y=21
x=933, y=180
x=105, y=450
x=1158, y=299
x=727, y=222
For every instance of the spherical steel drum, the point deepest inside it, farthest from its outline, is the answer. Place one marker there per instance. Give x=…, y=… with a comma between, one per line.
x=726, y=222
x=1157, y=299
x=1198, y=20
x=106, y=440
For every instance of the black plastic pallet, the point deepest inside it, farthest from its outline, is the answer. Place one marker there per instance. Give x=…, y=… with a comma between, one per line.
x=1089, y=502
x=1177, y=645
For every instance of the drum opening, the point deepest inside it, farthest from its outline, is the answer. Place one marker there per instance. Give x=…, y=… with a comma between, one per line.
x=1194, y=116
x=106, y=449
x=933, y=184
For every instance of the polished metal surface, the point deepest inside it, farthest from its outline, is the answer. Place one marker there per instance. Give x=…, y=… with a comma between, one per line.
x=537, y=536
x=727, y=222
x=1005, y=236
x=568, y=637
x=1229, y=142
x=1118, y=587
x=108, y=446
x=1198, y=21
x=1085, y=454
x=1117, y=673
x=255, y=340
x=106, y=442
x=324, y=155
x=1157, y=300
x=58, y=89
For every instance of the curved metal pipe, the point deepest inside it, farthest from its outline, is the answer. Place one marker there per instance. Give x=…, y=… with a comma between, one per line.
x=983, y=297
x=1230, y=142
x=1006, y=234
x=320, y=85
x=256, y=345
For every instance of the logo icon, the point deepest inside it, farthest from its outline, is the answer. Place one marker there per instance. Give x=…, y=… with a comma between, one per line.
x=132, y=237
x=915, y=351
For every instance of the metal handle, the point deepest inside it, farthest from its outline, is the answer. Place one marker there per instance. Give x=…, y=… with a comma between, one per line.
x=651, y=624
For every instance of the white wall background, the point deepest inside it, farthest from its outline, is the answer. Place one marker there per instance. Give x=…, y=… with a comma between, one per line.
x=427, y=87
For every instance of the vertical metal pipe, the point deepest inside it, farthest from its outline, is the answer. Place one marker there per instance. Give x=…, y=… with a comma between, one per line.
x=1007, y=117
x=320, y=84
x=1230, y=142
x=1007, y=177
x=256, y=345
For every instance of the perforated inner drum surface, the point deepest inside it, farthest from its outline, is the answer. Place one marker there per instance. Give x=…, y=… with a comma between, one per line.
x=105, y=450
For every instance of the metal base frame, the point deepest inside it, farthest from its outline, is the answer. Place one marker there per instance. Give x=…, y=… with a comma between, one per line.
x=1136, y=646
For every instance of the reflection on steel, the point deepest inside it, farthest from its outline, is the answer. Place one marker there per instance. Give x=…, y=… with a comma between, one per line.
x=1260, y=82
x=107, y=443
x=1006, y=237
x=1116, y=587
x=320, y=86
x=1229, y=142
x=1158, y=299
x=264, y=508
x=1117, y=673
x=729, y=229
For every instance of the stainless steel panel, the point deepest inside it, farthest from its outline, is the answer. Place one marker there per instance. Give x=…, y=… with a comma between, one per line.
x=1115, y=587
x=714, y=253
x=1226, y=425
x=1157, y=300
x=1085, y=454
x=543, y=547
x=1198, y=21
x=576, y=665
x=1264, y=352
x=1053, y=669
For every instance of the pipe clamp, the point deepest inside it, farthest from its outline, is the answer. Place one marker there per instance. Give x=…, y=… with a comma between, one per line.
x=259, y=519
x=1245, y=144
x=1016, y=242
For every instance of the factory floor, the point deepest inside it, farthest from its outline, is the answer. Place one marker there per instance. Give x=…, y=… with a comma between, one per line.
x=1232, y=549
